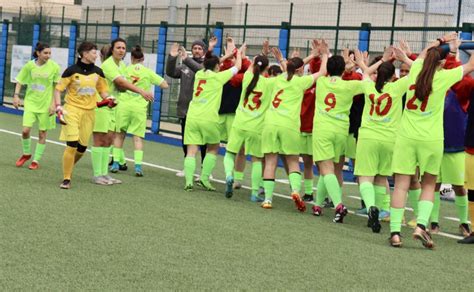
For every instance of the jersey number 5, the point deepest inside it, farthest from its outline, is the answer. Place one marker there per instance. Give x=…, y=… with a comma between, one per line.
x=199, y=89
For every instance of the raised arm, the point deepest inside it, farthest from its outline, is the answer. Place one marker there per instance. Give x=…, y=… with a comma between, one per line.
x=444, y=39
x=324, y=50
x=171, y=69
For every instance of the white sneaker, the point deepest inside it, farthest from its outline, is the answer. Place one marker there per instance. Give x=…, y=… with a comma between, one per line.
x=180, y=173
x=100, y=180
x=112, y=180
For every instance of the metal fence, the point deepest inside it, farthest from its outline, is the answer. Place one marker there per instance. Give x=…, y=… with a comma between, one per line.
x=339, y=22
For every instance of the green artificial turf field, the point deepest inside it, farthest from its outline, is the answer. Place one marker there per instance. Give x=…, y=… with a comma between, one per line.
x=150, y=234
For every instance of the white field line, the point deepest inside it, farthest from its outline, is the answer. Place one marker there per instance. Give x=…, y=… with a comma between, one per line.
x=223, y=182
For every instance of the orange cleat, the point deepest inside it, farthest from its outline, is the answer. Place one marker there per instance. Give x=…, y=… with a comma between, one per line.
x=24, y=158
x=300, y=205
x=34, y=165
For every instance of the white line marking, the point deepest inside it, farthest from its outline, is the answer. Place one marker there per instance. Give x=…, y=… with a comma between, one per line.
x=223, y=182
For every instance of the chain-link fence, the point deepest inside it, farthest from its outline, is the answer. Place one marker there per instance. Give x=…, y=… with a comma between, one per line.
x=337, y=21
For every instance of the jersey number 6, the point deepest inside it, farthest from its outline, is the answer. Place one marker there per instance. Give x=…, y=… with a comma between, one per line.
x=276, y=101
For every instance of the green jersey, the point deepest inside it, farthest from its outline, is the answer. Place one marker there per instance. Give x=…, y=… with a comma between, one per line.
x=207, y=94
x=112, y=71
x=382, y=111
x=423, y=120
x=143, y=78
x=286, y=99
x=250, y=113
x=334, y=98
x=39, y=81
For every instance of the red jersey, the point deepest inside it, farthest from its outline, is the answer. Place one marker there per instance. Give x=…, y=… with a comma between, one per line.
x=307, y=110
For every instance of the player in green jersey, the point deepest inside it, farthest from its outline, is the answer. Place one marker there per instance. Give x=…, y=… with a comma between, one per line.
x=381, y=116
x=202, y=121
x=132, y=110
x=248, y=124
x=420, y=136
x=281, y=131
x=104, y=128
x=39, y=75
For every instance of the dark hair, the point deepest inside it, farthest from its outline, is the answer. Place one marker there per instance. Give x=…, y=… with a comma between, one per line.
x=336, y=65
x=274, y=70
x=292, y=65
x=85, y=47
x=424, y=81
x=137, y=52
x=112, y=45
x=103, y=52
x=210, y=61
x=375, y=60
x=260, y=64
x=384, y=74
x=39, y=48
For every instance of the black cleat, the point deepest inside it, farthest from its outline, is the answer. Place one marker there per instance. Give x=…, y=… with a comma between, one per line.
x=373, y=221
x=467, y=240
x=328, y=203
x=123, y=167
x=341, y=212
x=308, y=198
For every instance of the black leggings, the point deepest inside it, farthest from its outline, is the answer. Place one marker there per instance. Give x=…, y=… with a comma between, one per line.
x=185, y=148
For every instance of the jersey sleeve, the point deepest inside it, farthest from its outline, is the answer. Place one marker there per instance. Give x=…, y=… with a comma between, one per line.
x=111, y=72
x=401, y=86
x=24, y=77
x=101, y=85
x=56, y=73
x=356, y=87
x=306, y=82
x=63, y=83
x=155, y=78
x=224, y=76
x=452, y=76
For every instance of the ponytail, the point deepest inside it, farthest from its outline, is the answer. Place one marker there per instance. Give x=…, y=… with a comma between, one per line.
x=137, y=52
x=260, y=64
x=293, y=65
x=39, y=48
x=384, y=74
x=424, y=81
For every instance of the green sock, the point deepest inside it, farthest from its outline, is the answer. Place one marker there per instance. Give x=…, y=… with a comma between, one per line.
x=413, y=197
x=461, y=207
x=396, y=217
x=105, y=160
x=238, y=175
x=40, y=150
x=295, y=181
x=321, y=192
x=208, y=165
x=334, y=190
x=379, y=193
x=256, y=176
x=26, y=146
x=189, y=168
x=424, y=212
x=96, y=156
x=268, y=185
x=116, y=154
x=138, y=157
x=308, y=186
x=386, y=202
x=435, y=212
x=122, y=156
x=229, y=159
x=367, y=193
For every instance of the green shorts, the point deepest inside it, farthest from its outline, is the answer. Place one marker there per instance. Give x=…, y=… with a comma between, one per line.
x=374, y=157
x=306, y=143
x=104, y=120
x=409, y=153
x=225, y=126
x=251, y=140
x=198, y=132
x=280, y=140
x=328, y=146
x=351, y=146
x=452, y=169
x=131, y=121
x=45, y=121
